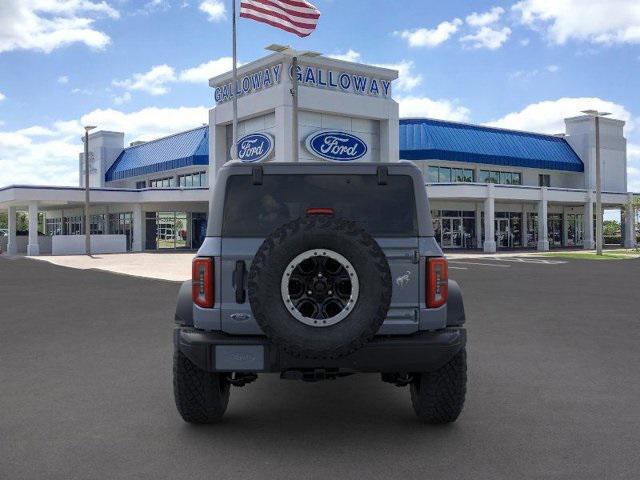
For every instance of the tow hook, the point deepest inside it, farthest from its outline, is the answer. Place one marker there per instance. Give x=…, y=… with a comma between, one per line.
x=241, y=379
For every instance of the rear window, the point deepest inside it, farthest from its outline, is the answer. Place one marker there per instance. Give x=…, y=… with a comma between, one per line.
x=382, y=210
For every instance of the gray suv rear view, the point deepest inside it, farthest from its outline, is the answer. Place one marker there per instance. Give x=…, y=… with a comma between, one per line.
x=317, y=271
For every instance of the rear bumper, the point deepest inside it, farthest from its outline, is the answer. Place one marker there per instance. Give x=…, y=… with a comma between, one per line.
x=218, y=352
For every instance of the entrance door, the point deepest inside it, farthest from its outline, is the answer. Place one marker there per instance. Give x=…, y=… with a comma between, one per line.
x=447, y=241
x=503, y=233
x=456, y=233
x=452, y=233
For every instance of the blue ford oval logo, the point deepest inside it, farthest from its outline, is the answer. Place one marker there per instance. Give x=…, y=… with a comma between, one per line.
x=336, y=146
x=255, y=147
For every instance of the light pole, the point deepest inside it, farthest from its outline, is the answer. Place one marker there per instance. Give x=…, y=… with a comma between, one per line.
x=596, y=114
x=87, y=218
x=294, y=54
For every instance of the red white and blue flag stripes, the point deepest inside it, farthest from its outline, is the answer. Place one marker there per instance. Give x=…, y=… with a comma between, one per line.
x=295, y=16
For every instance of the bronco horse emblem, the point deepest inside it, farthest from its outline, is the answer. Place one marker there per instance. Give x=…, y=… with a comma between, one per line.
x=403, y=280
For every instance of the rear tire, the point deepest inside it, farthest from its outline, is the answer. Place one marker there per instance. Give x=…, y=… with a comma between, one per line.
x=201, y=397
x=438, y=397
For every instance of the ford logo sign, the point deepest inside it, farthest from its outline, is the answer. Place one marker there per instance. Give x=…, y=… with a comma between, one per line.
x=255, y=147
x=336, y=146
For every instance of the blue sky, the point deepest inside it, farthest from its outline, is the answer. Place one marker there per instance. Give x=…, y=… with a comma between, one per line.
x=142, y=66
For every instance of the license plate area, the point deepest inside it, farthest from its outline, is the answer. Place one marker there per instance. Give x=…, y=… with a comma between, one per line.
x=239, y=358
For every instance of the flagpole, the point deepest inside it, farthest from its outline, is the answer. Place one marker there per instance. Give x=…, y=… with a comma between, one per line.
x=234, y=149
x=294, y=111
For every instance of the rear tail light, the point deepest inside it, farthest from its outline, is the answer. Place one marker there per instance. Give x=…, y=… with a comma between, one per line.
x=202, y=282
x=437, y=282
x=320, y=211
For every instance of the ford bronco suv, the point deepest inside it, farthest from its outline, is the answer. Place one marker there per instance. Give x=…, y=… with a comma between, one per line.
x=317, y=271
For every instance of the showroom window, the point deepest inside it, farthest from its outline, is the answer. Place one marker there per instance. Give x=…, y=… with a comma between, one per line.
x=197, y=179
x=448, y=175
x=162, y=182
x=544, y=180
x=504, y=178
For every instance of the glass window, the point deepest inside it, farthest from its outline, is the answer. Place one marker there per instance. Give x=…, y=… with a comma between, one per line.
x=505, y=178
x=141, y=184
x=432, y=175
x=468, y=175
x=516, y=179
x=282, y=198
x=544, y=180
x=484, y=176
x=444, y=175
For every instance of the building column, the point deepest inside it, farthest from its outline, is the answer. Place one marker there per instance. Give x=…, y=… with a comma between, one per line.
x=478, y=225
x=138, y=225
x=543, y=237
x=33, y=248
x=489, y=221
x=565, y=227
x=629, y=224
x=12, y=247
x=588, y=241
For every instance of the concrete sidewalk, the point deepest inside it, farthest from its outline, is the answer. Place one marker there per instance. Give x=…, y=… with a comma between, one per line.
x=162, y=266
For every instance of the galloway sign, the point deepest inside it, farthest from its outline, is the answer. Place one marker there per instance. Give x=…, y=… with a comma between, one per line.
x=308, y=76
x=336, y=146
x=342, y=81
x=255, y=147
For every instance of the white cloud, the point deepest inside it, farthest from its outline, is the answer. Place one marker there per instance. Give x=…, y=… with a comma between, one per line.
x=122, y=99
x=203, y=72
x=423, y=37
x=153, y=82
x=49, y=155
x=595, y=21
x=45, y=25
x=484, y=19
x=63, y=79
x=349, y=56
x=529, y=74
x=548, y=116
x=407, y=78
x=413, y=106
x=487, y=37
x=214, y=9
x=525, y=42
x=2, y=96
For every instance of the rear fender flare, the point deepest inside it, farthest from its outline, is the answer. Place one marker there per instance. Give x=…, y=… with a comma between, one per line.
x=455, y=305
x=184, y=307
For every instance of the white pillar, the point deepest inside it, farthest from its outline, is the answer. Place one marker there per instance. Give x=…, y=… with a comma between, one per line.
x=565, y=227
x=543, y=237
x=489, y=221
x=12, y=247
x=524, y=232
x=33, y=248
x=629, y=224
x=138, y=228
x=478, y=225
x=588, y=241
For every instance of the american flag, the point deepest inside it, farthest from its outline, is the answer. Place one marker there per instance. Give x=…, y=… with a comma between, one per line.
x=294, y=16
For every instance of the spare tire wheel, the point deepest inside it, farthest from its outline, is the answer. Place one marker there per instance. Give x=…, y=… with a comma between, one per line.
x=320, y=287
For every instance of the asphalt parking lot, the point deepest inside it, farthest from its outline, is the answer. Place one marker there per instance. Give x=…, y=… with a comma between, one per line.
x=554, y=387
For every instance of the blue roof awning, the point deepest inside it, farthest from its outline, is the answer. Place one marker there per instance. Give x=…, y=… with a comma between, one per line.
x=427, y=139
x=176, y=151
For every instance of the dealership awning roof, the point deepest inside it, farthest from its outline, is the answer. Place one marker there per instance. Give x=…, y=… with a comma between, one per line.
x=427, y=139
x=180, y=150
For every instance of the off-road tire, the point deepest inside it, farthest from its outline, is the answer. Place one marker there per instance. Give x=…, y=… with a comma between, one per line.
x=201, y=397
x=317, y=232
x=438, y=397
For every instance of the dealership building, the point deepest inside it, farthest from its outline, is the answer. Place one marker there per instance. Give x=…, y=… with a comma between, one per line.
x=489, y=188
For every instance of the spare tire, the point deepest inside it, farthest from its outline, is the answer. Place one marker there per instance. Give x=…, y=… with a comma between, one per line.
x=320, y=287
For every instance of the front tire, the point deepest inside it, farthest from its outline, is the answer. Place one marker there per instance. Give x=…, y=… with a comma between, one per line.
x=201, y=397
x=438, y=397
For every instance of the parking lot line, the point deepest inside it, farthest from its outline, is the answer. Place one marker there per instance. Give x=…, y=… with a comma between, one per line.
x=478, y=263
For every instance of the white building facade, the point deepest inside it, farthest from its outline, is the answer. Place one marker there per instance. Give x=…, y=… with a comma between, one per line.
x=488, y=187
